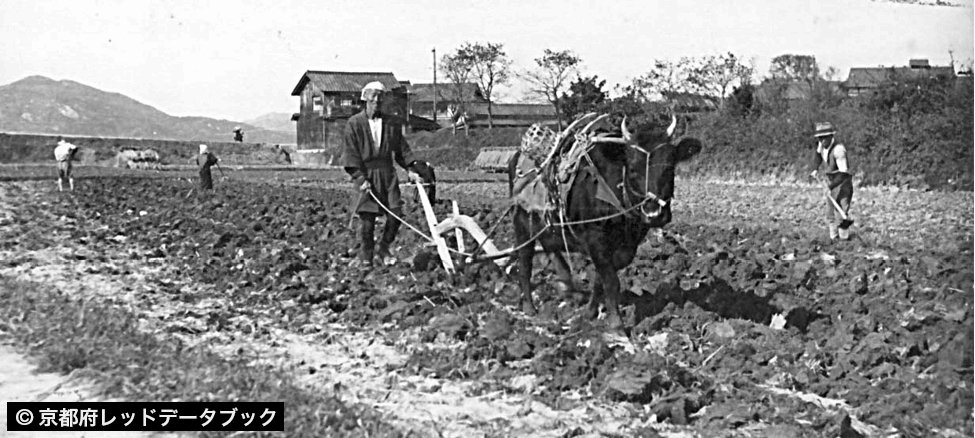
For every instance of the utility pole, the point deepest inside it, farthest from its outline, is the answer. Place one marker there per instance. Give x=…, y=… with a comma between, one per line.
x=434, y=84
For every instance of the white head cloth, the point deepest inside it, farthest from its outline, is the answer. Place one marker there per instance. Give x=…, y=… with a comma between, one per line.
x=203, y=148
x=372, y=88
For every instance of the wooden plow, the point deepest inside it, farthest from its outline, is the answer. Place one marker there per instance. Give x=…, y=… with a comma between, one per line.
x=459, y=223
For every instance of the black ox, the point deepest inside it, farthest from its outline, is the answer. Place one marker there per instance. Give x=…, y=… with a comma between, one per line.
x=639, y=170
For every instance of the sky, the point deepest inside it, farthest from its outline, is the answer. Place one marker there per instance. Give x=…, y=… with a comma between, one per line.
x=239, y=60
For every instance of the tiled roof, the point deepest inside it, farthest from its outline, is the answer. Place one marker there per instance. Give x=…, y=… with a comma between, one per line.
x=514, y=109
x=686, y=101
x=445, y=92
x=344, y=82
x=871, y=77
x=790, y=90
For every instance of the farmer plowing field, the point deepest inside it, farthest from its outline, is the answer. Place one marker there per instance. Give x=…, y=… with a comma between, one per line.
x=839, y=181
x=373, y=141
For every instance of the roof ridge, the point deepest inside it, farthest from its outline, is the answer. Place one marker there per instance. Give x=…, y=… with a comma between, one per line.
x=350, y=72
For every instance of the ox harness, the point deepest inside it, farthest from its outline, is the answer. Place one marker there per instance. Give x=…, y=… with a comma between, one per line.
x=546, y=186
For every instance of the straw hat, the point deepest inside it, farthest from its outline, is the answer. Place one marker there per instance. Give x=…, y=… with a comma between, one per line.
x=823, y=129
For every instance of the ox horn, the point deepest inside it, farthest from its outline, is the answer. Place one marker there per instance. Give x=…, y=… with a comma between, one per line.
x=673, y=125
x=626, y=132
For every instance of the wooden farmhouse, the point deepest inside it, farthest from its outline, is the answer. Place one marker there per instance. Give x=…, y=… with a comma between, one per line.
x=865, y=80
x=469, y=98
x=329, y=98
x=447, y=97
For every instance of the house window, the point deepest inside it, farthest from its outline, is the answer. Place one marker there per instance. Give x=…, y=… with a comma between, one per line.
x=346, y=102
x=316, y=103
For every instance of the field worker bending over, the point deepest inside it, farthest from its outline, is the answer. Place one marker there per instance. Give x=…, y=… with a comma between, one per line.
x=838, y=177
x=64, y=154
x=373, y=141
x=205, y=160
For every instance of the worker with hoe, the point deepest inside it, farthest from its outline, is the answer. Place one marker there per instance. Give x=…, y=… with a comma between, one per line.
x=205, y=160
x=373, y=141
x=64, y=153
x=839, y=181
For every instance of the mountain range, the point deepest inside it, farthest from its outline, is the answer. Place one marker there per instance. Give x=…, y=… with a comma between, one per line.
x=40, y=105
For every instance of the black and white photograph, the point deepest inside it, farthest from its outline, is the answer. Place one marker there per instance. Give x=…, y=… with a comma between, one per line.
x=430, y=219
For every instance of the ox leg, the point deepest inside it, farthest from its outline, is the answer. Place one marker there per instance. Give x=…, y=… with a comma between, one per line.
x=525, y=256
x=563, y=276
x=609, y=282
x=596, y=297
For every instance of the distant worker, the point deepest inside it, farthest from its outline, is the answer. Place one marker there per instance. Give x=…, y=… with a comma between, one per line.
x=238, y=134
x=64, y=153
x=838, y=179
x=373, y=140
x=205, y=160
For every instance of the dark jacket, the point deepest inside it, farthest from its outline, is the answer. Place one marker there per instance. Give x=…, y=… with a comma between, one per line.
x=363, y=160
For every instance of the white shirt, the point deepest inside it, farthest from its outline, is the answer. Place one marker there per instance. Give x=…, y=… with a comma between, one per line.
x=376, y=126
x=839, y=152
x=63, y=150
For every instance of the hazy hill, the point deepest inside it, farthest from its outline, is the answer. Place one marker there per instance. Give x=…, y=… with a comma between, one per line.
x=37, y=104
x=274, y=122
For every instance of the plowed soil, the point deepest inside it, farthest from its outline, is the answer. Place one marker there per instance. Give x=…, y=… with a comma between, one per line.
x=743, y=319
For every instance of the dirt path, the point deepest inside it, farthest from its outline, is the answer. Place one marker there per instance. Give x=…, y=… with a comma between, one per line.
x=20, y=382
x=359, y=366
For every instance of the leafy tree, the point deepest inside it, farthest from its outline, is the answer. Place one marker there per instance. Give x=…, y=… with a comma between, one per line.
x=665, y=78
x=490, y=67
x=550, y=76
x=742, y=101
x=713, y=76
x=716, y=75
x=794, y=67
x=585, y=95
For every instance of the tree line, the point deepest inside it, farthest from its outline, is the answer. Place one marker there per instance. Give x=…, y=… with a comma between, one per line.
x=911, y=131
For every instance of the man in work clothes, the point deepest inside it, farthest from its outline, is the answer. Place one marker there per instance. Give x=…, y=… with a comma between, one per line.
x=373, y=140
x=838, y=177
x=205, y=160
x=64, y=154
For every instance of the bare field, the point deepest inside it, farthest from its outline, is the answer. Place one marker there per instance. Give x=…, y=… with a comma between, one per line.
x=743, y=319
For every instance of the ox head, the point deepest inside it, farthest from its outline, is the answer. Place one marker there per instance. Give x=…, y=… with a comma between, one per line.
x=651, y=157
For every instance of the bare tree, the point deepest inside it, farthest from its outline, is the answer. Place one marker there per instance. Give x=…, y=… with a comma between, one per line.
x=551, y=76
x=458, y=70
x=490, y=67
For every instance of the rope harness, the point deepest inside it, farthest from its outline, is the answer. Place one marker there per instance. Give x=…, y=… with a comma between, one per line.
x=626, y=206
